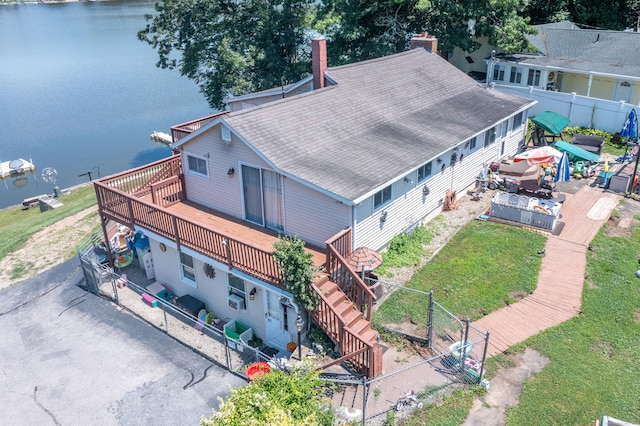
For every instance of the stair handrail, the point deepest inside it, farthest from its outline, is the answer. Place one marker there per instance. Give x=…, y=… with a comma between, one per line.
x=339, y=335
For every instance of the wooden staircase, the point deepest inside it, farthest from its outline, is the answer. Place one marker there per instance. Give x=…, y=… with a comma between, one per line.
x=338, y=316
x=351, y=317
x=344, y=310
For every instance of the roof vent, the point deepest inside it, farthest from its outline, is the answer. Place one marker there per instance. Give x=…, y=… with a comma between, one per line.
x=597, y=38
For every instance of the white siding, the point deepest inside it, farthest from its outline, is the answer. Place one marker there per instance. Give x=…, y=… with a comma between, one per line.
x=313, y=216
x=213, y=292
x=410, y=205
x=219, y=191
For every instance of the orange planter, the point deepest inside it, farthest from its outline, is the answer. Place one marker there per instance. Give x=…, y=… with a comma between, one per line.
x=258, y=369
x=291, y=347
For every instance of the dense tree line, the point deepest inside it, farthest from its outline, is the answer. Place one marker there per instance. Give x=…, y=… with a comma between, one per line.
x=241, y=46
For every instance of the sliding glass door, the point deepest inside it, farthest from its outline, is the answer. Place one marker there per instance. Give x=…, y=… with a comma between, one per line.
x=262, y=192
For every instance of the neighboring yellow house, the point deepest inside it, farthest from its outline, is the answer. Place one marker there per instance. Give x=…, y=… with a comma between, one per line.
x=599, y=64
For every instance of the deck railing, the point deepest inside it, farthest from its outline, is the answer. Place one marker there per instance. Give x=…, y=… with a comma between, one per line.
x=179, y=131
x=365, y=357
x=345, y=277
x=138, y=181
x=168, y=191
x=126, y=208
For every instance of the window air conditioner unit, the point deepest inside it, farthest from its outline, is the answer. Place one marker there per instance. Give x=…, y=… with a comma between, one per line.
x=235, y=302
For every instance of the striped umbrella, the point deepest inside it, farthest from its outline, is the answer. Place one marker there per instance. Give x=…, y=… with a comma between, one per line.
x=563, y=173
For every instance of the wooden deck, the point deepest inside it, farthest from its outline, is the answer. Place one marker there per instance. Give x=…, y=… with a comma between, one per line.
x=260, y=237
x=558, y=296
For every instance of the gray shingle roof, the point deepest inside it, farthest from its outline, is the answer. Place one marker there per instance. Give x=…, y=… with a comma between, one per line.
x=383, y=118
x=564, y=46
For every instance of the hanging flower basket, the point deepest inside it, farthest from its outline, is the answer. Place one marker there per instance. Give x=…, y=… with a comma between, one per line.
x=258, y=369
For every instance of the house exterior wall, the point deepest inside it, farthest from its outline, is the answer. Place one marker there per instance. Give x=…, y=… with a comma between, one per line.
x=459, y=57
x=311, y=215
x=409, y=204
x=213, y=292
x=219, y=190
x=578, y=83
x=602, y=88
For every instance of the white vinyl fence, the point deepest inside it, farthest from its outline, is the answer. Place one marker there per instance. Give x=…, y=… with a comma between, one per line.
x=581, y=110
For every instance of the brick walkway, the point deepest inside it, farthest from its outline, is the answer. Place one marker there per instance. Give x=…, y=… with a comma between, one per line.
x=558, y=296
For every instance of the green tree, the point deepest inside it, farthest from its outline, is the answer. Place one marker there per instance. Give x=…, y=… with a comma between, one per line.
x=298, y=270
x=545, y=11
x=613, y=14
x=231, y=47
x=498, y=19
x=276, y=399
x=364, y=29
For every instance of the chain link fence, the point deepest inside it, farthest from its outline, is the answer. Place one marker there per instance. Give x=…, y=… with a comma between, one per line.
x=125, y=290
x=445, y=351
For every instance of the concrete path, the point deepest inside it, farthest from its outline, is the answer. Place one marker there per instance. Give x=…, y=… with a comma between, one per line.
x=558, y=296
x=68, y=357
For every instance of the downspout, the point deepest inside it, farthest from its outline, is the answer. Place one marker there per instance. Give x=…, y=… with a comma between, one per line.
x=589, y=87
x=353, y=226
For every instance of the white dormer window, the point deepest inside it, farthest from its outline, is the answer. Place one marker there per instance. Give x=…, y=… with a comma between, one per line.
x=226, y=133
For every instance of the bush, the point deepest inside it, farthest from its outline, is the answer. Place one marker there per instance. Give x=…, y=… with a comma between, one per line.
x=276, y=399
x=297, y=270
x=406, y=249
x=576, y=130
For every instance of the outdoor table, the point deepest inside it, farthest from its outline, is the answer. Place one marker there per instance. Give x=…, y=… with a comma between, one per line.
x=190, y=304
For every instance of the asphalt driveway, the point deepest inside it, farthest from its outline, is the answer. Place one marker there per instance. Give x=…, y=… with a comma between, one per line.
x=68, y=357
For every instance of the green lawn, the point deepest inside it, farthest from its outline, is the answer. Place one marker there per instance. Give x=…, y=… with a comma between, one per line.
x=594, y=368
x=17, y=225
x=484, y=267
x=594, y=362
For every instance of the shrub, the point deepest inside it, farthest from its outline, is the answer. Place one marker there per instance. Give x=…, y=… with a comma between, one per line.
x=297, y=270
x=274, y=399
x=587, y=131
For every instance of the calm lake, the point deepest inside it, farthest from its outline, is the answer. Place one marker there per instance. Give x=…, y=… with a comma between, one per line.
x=79, y=92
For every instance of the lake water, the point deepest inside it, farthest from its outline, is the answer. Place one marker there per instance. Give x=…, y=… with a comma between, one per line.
x=79, y=92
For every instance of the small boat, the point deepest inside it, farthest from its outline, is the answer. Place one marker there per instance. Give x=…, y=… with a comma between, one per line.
x=14, y=168
x=162, y=137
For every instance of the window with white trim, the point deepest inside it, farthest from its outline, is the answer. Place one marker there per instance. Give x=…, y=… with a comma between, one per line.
x=498, y=72
x=187, y=269
x=197, y=165
x=237, y=287
x=382, y=197
x=517, y=121
x=504, y=126
x=424, y=171
x=473, y=144
x=534, y=78
x=490, y=137
x=226, y=133
x=516, y=75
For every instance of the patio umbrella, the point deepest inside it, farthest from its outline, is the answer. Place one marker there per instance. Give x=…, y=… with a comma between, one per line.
x=630, y=128
x=364, y=259
x=542, y=155
x=563, y=173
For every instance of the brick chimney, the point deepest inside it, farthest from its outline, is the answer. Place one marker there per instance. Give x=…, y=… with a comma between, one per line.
x=424, y=40
x=318, y=61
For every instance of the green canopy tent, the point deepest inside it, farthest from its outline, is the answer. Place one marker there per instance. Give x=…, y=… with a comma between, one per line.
x=576, y=153
x=550, y=122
